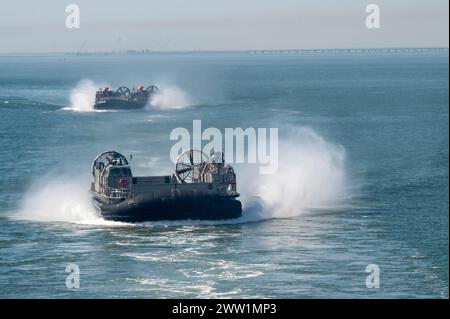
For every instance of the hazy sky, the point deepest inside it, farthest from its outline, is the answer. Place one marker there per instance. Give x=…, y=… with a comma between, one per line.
x=39, y=26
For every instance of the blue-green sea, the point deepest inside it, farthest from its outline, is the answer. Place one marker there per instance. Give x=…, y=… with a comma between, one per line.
x=363, y=176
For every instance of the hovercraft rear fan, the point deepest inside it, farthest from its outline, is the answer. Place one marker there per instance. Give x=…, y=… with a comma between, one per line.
x=190, y=165
x=123, y=91
x=151, y=89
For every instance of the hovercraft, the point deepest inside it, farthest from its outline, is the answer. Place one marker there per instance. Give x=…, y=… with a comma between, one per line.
x=123, y=98
x=201, y=188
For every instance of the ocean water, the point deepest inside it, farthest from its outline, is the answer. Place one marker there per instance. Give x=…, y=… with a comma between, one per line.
x=362, y=178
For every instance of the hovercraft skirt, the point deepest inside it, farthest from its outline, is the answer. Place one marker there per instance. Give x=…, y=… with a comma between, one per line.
x=196, y=208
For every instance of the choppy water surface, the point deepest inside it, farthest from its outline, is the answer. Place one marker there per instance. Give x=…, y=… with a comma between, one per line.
x=362, y=179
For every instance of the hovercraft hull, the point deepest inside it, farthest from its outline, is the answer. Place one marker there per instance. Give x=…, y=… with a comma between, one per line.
x=118, y=104
x=194, y=208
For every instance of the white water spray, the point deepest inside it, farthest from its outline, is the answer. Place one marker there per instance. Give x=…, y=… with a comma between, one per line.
x=169, y=98
x=61, y=200
x=311, y=175
x=82, y=97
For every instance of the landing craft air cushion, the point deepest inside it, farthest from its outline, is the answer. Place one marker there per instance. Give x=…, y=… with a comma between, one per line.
x=123, y=98
x=201, y=188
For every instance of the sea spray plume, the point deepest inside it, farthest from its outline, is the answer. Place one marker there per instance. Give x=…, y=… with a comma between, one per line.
x=64, y=200
x=82, y=97
x=169, y=98
x=311, y=174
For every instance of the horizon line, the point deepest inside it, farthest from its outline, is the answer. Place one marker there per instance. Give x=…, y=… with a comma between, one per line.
x=255, y=51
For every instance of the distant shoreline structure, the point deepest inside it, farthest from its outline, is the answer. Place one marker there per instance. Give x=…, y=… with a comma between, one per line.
x=262, y=51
